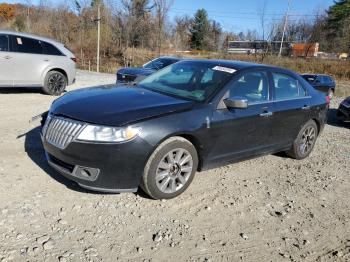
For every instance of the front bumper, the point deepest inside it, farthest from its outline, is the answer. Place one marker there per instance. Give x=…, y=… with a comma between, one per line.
x=101, y=167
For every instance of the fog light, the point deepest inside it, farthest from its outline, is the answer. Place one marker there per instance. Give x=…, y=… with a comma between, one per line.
x=86, y=173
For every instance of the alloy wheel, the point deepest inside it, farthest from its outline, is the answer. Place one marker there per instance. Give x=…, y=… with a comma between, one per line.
x=56, y=83
x=308, y=139
x=174, y=170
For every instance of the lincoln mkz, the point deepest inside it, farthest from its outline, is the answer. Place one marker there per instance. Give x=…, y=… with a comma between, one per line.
x=190, y=116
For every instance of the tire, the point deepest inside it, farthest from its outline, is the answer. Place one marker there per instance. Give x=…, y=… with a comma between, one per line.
x=55, y=83
x=170, y=169
x=305, y=141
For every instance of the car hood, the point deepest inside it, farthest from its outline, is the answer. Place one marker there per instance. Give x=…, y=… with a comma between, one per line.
x=116, y=106
x=136, y=71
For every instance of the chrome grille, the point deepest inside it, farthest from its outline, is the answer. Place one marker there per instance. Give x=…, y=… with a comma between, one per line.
x=60, y=131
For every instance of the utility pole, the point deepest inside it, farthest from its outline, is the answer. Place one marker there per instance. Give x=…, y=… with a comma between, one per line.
x=98, y=36
x=284, y=29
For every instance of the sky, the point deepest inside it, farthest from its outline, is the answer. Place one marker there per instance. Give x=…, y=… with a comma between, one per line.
x=240, y=15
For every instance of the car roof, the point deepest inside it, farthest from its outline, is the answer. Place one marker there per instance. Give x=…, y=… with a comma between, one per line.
x=170, y=57
x=9, y=32
x=316, y=75
x=236, y=64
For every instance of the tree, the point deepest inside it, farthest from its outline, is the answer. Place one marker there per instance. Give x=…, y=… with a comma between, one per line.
x=199, y=29
x=213, y=37
x=7, y=12
x=338, y=26
x=181, y=34
x=162, y=8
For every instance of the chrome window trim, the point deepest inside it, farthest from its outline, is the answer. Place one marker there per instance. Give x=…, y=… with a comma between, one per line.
x=221, y=104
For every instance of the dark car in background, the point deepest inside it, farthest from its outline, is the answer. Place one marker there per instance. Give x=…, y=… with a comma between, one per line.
x=323, y=83
x=343, y=112
x=190, y=116
x=135, y=74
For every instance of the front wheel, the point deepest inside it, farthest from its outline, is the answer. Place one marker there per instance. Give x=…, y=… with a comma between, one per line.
x=305, y=141
x=55, y=83
x=170, y=169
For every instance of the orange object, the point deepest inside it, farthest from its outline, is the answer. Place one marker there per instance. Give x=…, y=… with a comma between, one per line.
x=305, y=49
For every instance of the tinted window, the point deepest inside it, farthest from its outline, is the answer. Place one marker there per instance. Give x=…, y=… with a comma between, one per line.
x=160, y=63
x=27, y=45
x=329, y=79
x=287, y=87
x=50, y=49
x=253, y=86
x=309, y=78
x=4, y=43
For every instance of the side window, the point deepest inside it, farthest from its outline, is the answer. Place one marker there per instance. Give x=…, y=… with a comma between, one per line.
x=287, y=87
x=253, y=86
x=50, y=49
x=4, y=43
x=27, y=45
x=207, y=76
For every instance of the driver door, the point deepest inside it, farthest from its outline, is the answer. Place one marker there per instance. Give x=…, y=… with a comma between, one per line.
x=242, y=133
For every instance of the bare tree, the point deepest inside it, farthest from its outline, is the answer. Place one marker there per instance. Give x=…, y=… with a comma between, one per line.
x=262, y=15
x=162, y=8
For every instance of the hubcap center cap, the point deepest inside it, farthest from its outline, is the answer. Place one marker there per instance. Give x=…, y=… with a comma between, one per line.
x=174, y=169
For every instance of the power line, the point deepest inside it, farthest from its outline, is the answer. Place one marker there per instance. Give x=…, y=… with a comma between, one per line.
x=247, y=18
x=245, y=13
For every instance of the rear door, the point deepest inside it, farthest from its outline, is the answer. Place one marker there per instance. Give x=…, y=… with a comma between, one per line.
x=28, y=60
x=6, y=62
x=291, y=108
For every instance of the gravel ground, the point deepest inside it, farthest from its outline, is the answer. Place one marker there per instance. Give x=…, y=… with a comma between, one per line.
x=268, y=209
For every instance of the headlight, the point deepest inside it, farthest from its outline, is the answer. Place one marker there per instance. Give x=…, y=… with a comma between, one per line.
x=108, y=134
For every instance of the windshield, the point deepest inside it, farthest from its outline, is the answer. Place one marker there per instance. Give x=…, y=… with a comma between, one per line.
x=193, y=80
x=159, y=63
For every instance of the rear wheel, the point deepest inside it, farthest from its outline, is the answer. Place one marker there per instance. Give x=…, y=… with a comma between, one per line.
x=170, y=169
x=305, y=141
x=55, y=83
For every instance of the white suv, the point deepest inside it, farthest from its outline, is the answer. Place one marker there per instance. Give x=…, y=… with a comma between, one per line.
x=32, y=61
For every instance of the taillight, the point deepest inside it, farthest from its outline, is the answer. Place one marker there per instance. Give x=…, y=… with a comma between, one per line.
x=328, y=100
x=74, y=59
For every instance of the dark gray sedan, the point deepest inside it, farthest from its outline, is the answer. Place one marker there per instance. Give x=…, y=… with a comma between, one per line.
x=343, y=112
x=323, y=83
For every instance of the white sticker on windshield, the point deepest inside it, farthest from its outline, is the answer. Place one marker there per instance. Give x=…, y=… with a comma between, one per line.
x=19, y=41
x=224, y=69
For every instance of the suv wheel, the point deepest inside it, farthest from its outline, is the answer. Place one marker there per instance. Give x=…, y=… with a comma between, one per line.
x=305, y=141
x=170, y=169
x=55, y=83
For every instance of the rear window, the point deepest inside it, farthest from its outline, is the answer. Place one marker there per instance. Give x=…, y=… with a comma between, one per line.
x=309, y=78
x=50, y=49
x=27, y=45
x=4, y=43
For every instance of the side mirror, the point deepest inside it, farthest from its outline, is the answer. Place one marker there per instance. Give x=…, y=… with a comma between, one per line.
x=236, y=103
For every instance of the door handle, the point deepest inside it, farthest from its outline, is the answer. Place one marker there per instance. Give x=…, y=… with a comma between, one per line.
x=46, y=60
x=266, y=114
x=305, y=107
x=7, y=57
